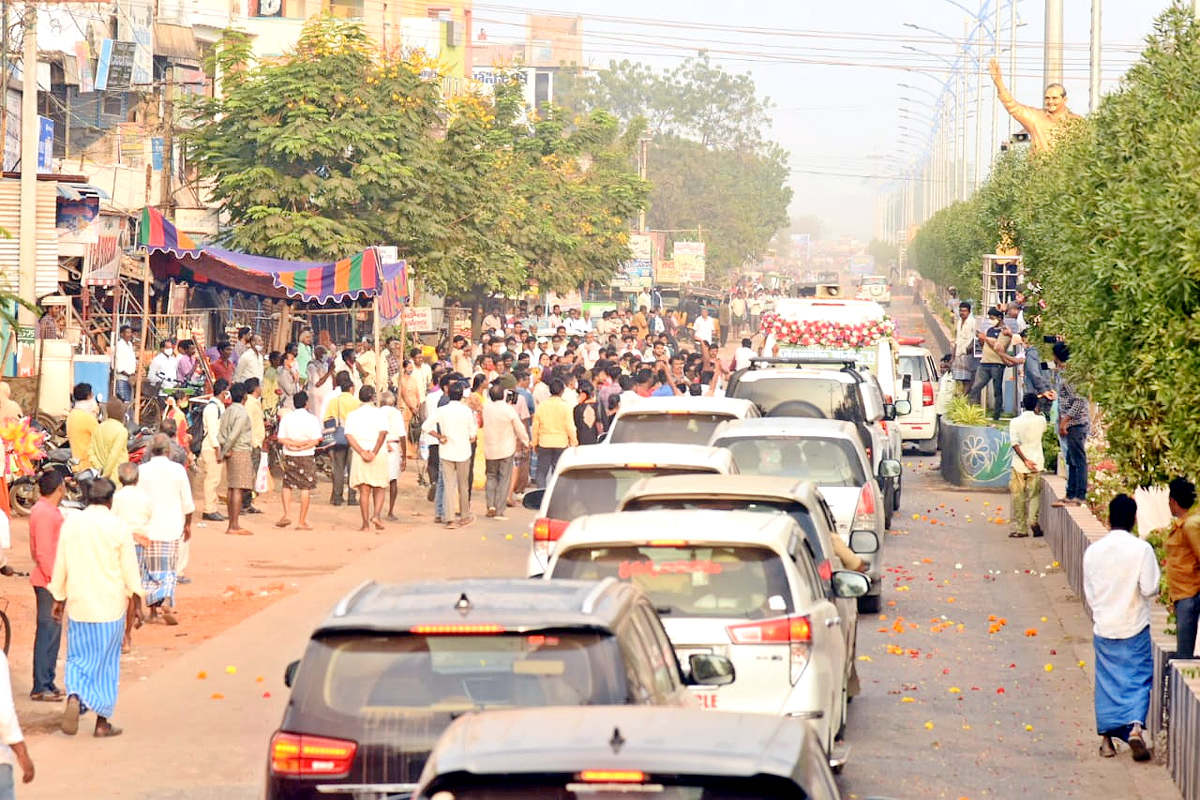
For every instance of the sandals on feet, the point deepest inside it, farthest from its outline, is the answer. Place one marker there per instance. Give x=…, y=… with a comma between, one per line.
x=1138, y=745
x=1107, y=750
x=1017, y=535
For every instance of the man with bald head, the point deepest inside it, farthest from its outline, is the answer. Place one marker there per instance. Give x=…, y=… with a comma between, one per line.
x=1043, y=123
x=171, y=508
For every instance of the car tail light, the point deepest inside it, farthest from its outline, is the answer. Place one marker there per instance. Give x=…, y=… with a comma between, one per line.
x=545, y=533
x=456, y=630
x=793, y=631
x=300, y=755
x=926, y=393
x=864, y=512
x=612, y=776
x=825, y=570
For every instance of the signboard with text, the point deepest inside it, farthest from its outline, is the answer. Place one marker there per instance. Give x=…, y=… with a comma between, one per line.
x=690, y=261
x=419, y=319
x=114, y=72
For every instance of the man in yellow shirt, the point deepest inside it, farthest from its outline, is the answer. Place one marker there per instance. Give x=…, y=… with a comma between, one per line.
x=339, y=408
x=110, y=441
x=1183, y=563
x=553, y=431
x=82, y=425
x=258, y=435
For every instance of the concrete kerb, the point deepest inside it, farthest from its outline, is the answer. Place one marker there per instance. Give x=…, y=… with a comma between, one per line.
x=1069, y=531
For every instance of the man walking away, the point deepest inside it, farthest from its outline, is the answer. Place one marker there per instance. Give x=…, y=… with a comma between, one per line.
x=299, y=434
x=396, y=444
x=1074, y=420
x=132, y=505
x=82, y=425
x=166, y=483
x=235, y=439
x=1025, y=483
x=12, y=743
x=1183, y=564
x=366, y=433
x=210, y=448
x=45, y=523
x=553, y=431
x=335, y=416
x=1120, y=580
x=96, y=571
x=454, y=427
x=503, y=432
x=258, y=434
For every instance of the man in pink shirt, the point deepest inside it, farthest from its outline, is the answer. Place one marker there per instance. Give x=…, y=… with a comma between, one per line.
x=45, y=521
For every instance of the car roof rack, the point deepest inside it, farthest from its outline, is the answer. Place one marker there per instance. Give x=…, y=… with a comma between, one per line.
x=845, y=363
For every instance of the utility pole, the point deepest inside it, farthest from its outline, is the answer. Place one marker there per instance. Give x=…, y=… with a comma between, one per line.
x=28, y=245
x=1052, y=66
x=168, y=196
x=1094, y=75
x=643, y=173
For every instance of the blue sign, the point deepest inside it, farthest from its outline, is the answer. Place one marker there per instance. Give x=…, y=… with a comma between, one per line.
x=156, y=153
x=45, y=160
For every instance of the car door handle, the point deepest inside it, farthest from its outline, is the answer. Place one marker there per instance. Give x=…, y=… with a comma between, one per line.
x=832, y=621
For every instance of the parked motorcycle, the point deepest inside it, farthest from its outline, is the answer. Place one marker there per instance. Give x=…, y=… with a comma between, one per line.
x=23, y=492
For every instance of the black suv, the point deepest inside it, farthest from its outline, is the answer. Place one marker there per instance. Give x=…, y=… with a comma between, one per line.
x=395, y=664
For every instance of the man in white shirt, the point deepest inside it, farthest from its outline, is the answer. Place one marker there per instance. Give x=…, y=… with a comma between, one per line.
x=96, y=571
x=1028, y=461
x=503, y=432
x=704, y=329
x=575, y=324
x=743, y=356
x=250, y=362
x=366, y=432
x=299, y=434
x=132, y=505
x=169, y=489
x=591, y=350
x=164, y=367
x=125, y=364
x=453, y=425
x=964, y=346
x=1120, y=581
x=210, y=446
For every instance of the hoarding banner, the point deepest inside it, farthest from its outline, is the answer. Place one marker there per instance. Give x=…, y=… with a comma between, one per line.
x=115, y=68
x=641, y=245
x=690, y=261
x=666, y=272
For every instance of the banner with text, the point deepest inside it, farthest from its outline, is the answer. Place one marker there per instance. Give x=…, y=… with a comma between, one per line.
x=690, y=261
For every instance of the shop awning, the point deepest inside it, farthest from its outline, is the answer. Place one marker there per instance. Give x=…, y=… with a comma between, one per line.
x=174, y=254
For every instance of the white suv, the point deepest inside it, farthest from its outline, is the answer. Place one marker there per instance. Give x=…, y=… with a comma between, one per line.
x=920, y=427
x=740, y=584
x=877, y=288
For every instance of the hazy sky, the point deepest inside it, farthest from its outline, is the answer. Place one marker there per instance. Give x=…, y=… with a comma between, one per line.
x=832, y=68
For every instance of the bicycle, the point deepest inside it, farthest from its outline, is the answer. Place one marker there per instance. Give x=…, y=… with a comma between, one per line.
x=5, y=625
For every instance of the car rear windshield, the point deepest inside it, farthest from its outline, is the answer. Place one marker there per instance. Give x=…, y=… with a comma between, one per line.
x=735, y=581
x=825, y=462
x=915, y=366
x=371, y=673
x=598, y=490
x=692, y=789
x=816, y=398
x=875, y=280
x=792, y=508
x=675, y=428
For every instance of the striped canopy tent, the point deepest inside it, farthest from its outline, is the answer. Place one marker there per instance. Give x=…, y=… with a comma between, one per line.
x=174, y=254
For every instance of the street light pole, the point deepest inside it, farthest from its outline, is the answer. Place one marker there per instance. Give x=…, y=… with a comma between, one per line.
x=1094, y=75
x=1052, y=65
x=27, y=247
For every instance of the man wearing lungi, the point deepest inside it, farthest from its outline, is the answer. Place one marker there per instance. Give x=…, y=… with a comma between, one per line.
x=96, y=573
x=167, y=485
x=1120, y=580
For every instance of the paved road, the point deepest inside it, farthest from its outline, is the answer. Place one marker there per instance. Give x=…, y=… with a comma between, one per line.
x=913, y=736
x=977, y=676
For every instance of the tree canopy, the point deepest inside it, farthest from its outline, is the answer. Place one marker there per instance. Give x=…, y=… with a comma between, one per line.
x=336, y=147
x=1108, y=223
x=710, y=164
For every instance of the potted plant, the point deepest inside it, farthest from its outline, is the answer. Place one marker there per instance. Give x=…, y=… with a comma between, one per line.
x=975, y=453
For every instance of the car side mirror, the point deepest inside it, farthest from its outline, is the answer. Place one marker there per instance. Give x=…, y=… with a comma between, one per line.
x=533, y=500
x=864, y=542
x=889, y=468
x=903, y=407
x=707, y=669
x=889, y=411
x=602, y=438
x=850, y=584
x=289, y=673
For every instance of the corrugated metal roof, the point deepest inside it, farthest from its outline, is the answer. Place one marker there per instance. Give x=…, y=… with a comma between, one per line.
x=176, y=42
x=46, y=278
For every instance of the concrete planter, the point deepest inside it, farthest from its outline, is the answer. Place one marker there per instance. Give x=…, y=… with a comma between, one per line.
x=975, y=457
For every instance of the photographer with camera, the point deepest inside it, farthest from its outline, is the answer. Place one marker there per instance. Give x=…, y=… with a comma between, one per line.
x=503, y=434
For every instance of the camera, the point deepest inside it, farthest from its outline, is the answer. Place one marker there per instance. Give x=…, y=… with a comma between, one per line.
x=510, y=396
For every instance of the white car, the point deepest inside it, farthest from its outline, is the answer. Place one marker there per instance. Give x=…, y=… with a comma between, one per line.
x=920, y=427
x=875, y=287
x=593, y=478
x=735, y=583
x=829, y=454
x=682, y=419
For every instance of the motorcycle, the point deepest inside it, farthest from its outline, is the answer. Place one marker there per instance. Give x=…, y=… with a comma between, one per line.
x=23, y=492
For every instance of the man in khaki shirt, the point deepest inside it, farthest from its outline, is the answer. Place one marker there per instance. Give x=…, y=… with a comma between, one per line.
x=1183, y=564
x=258, y=435
x=553, y=431
x=95, y=575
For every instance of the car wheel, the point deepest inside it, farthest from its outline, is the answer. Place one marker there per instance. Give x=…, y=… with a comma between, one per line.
x=929, y=447
x=870, y=603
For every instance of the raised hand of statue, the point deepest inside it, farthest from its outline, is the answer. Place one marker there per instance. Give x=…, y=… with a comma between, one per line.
x=994, y=69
